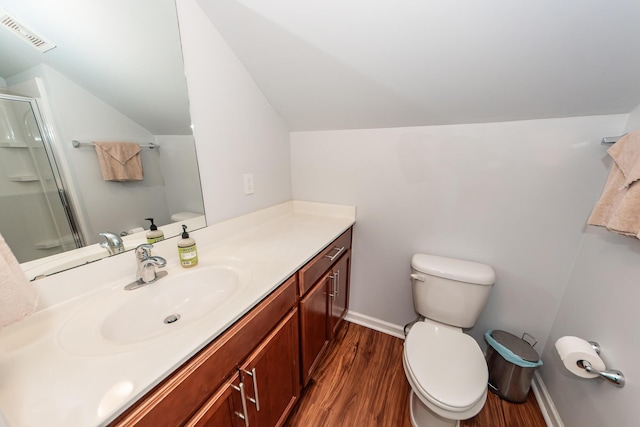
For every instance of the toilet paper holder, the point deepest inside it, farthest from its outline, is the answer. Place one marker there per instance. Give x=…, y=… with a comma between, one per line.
x=614, y=376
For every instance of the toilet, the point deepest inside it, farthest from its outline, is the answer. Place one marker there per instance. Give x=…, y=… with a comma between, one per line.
x=444, y=366
x=183, y=216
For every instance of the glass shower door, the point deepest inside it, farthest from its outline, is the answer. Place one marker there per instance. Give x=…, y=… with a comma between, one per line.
x=35, y=217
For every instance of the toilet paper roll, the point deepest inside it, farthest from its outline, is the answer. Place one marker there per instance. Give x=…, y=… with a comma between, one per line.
x=135, y=230
x=572, y=350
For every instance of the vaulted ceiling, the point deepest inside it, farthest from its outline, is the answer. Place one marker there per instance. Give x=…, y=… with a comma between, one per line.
x=340, y=64
x=343, y=64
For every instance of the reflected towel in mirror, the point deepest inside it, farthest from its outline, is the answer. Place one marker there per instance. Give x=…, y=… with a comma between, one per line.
x=18, y=297
x=119, y=161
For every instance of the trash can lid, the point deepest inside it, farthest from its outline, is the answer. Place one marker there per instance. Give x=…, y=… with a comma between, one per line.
x=518, y=346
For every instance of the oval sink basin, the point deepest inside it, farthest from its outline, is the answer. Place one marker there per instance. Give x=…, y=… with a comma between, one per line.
x=169, y=303
x=122, y=318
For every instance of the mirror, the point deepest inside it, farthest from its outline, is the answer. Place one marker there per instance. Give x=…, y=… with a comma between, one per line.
x=115, y=74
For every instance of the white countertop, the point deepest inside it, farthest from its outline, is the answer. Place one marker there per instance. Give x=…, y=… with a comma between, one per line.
x=43, y=384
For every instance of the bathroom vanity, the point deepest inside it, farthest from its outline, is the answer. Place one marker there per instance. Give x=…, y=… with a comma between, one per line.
x=258, y=356
x=240, y=359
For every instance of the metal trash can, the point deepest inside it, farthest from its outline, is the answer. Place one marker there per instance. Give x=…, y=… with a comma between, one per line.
x=512, y=362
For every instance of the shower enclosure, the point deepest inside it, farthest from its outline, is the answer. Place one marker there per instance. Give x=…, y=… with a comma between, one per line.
x=36, y=218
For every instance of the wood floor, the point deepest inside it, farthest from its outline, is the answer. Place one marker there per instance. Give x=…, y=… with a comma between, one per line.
x=362, y=383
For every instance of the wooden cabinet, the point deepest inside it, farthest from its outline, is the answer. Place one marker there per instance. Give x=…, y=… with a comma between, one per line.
x=224, y=408
x=314, y=338
x=202, y=385
x=264, y=389
x=271, y=375
x=323, y=303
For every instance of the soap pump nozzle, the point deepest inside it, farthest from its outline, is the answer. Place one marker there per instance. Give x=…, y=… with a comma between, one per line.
x=154, y=235
x=153, y=226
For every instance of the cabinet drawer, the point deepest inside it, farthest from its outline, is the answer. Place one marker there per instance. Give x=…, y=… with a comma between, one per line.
x=172, y=402
x=314, y=269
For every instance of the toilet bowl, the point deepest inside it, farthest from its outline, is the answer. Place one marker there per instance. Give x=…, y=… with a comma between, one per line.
x=444, y=366
x=447, y=373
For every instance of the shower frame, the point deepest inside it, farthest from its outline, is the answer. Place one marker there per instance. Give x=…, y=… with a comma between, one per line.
x=47, y=138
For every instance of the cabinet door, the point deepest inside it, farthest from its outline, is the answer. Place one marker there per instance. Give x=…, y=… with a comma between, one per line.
x=339, y=295
x=314, y=315
x=271, y=375
x=224, y=408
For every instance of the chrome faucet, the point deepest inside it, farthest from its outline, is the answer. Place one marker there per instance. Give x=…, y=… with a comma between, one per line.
x=147, y=265
x=113, y=243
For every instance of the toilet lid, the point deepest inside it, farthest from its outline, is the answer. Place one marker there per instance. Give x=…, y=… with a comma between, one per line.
x=446, y=364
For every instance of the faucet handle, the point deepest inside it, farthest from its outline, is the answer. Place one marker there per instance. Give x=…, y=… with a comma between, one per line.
x=143, y=251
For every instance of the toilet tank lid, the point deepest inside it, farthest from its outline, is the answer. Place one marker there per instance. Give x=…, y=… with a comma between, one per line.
x=454, y=269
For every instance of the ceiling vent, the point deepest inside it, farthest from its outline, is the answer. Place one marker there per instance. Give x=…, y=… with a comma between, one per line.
x=11, y=24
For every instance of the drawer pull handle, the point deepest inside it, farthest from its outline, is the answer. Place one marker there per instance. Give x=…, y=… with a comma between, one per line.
x=245, y=414
x=337, y=280
x=254, y=378
x=334, y=256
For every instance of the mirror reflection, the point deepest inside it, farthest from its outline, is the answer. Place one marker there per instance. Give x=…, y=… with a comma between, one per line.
x=111, y=72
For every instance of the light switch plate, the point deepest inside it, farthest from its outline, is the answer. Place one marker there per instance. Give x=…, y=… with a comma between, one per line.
x=249, y=187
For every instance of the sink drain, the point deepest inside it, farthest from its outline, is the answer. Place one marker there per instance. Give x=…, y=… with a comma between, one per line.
x=171, y=318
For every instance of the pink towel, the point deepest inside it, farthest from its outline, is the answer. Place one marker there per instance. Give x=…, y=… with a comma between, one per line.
x=618, y=209
x=119, y=161
x=18, y=297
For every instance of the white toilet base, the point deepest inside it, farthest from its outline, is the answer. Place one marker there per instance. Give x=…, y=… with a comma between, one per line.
x=421, y=416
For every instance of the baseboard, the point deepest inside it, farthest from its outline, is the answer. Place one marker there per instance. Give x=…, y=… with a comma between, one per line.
x=547, y=407
x=375, y=324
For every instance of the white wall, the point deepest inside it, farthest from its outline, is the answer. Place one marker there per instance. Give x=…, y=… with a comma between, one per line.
x=180, y=170
x=237, y=131
x=600, y=304
x=515, y=195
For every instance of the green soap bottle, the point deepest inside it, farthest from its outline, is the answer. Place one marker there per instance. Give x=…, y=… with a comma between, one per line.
x=187, y=251
x=154, y=235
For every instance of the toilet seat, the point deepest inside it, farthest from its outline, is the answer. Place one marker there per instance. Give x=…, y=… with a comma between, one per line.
x=446, y=369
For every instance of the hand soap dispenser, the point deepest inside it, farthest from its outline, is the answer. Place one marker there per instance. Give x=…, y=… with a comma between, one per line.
x=187, y=251
x=154, y=235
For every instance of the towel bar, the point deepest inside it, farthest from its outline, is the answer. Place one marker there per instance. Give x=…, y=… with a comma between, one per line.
x=610, y=140
x=77, y=144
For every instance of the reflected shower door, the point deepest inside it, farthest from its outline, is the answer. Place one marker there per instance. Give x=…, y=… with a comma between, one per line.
x=35, y=217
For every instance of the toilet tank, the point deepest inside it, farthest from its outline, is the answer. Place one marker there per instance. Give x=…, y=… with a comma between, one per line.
x=449, y=290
